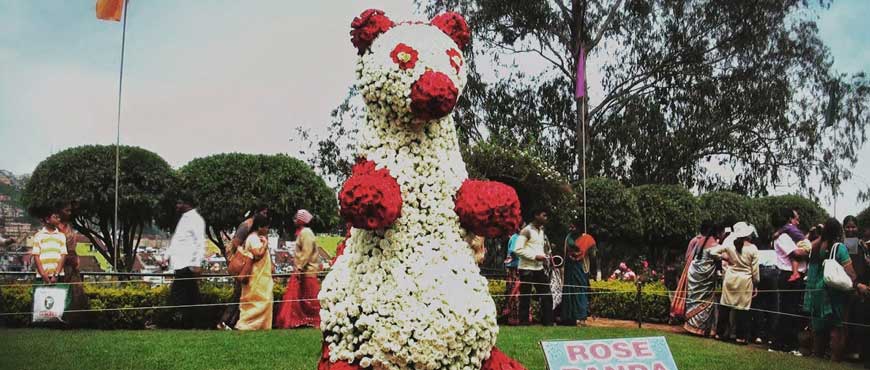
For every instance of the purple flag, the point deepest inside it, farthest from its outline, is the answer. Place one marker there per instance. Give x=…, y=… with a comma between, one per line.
x=581, y=74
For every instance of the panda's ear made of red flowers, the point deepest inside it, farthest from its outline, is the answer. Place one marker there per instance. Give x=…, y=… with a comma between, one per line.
x=367, y=27
x=453, y=25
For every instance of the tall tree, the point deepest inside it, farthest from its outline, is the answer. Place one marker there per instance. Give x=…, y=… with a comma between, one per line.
x=689, y=87
x=685, y=83
x=86, y=175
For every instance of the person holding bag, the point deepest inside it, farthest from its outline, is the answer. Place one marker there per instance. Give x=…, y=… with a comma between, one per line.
x=231, y=313
x=49, y=253
x=255, y=302
x=827, y=296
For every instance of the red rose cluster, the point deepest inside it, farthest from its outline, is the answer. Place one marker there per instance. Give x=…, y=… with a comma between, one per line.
x=366, y=27
x=370, y=199
x=433, y=95
x=499, y=361
x=405, y=56
x=488, y=208
x=453, y=25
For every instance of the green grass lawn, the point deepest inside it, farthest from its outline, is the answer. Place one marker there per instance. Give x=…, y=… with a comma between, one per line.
x=84, y=249
x=329, y=242
x=300, y=349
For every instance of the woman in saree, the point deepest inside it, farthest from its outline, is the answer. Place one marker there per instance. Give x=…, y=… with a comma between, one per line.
x=678, y=304
x=255, y=303
x=575, y=302
x=300, y=306
x=701, y=284
x=826, y=305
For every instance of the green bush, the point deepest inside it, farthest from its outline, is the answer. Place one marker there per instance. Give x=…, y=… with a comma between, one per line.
x=608, y=299
x=655, y=304
x=20, y=299
x=810, y=212
x=603, y=303
x=726, y=208
x=670, y=217
x=612, y=211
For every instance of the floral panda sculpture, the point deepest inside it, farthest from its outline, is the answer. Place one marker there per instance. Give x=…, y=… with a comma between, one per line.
x=406, y=293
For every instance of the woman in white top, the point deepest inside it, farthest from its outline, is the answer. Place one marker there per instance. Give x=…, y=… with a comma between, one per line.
x=739, y=282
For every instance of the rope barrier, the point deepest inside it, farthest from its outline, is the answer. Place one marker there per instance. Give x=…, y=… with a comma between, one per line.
x=600, y=291
x=166, y=276
x=767, y=311
x=322, y=273
x=257, y=301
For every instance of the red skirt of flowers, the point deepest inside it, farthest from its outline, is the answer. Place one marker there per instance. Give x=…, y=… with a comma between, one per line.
x=300, y=306
x=497, y=361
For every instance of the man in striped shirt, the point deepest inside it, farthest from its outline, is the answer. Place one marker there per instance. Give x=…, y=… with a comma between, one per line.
x=49, y=249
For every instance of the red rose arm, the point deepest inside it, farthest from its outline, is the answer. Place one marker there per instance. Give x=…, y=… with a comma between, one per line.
x=488, y=208
x=371, y=198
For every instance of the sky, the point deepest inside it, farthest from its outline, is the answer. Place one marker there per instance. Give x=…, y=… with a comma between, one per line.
x=204, y=77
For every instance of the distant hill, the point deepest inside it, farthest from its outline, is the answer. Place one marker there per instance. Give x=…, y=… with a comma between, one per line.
x=11, y=189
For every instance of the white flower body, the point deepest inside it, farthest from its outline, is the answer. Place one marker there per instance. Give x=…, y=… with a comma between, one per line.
x=410, y=296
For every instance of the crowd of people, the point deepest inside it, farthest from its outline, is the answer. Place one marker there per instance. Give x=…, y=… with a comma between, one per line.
x=787, y=298
x=532, y=266
x=251, y=305
x=729, y=290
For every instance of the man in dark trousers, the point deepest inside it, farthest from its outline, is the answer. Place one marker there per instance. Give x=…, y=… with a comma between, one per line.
x=790, y=289
x=531, y=249
x=185, y=255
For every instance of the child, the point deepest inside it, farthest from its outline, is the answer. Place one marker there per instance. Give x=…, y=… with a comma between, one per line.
x=49, y=249
x=802, y=242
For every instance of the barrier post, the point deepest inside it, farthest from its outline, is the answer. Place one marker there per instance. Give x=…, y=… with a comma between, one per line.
x=639, y=303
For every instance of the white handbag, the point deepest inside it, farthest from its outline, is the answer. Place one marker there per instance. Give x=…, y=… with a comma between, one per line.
x=49, y=303
x=835, y=276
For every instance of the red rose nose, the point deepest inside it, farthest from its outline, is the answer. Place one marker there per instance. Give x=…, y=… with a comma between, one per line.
x=433, y=96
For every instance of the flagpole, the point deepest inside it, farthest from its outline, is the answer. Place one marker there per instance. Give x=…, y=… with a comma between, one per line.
x=583, y=132
x=582, y=94
x=118, y=132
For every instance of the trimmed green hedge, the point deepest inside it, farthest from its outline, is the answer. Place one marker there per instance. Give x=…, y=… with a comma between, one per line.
x=620, y=305
x=610, y=299
x=20, y=299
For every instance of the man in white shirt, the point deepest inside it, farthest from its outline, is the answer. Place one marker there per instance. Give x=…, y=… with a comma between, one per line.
x=185, y=254
x=531, y=250
x=790, y=290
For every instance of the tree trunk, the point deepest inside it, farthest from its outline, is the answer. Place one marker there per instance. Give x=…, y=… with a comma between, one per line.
x=215, y=238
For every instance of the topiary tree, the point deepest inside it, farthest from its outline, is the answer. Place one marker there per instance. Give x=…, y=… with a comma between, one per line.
x=612, y=218
x=727, y=208
x=86, y=175
x=228, y=185
x=670, y=217
x=811, y=213
x=611, y=209
x=537, y=184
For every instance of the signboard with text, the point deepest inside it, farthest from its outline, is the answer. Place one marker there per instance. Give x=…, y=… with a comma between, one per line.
x=650, y=353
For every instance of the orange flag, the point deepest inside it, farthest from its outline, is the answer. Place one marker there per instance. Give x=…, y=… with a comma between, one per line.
x=110, y=10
